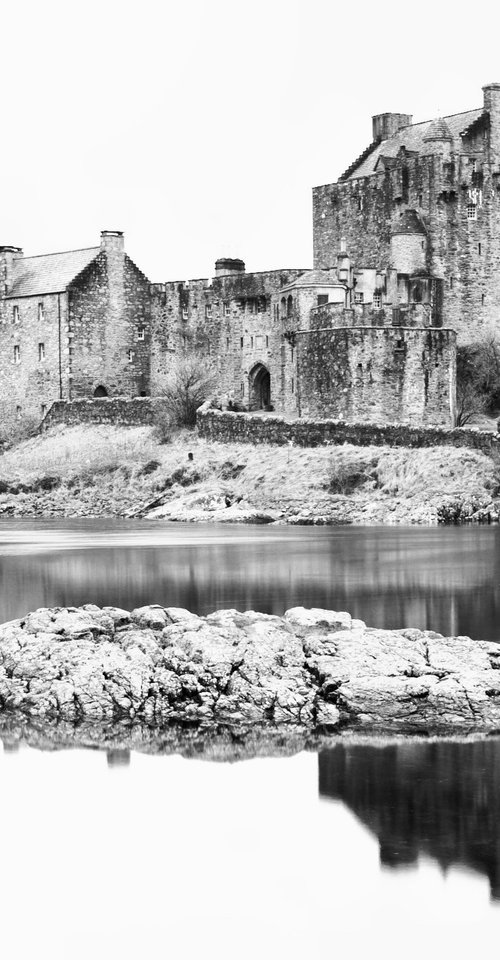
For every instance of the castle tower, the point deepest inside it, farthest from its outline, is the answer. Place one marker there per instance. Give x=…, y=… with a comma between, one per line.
x=7, y=257
x=438, y=138
x=408, y=244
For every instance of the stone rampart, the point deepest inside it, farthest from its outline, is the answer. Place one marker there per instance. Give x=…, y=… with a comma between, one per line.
x=227, y=427
x=120, y=411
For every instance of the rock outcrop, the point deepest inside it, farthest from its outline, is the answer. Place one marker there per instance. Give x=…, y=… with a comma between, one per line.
x=314, y=669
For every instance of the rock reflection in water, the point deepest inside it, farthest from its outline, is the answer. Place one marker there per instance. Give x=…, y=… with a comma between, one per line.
x=441, y=799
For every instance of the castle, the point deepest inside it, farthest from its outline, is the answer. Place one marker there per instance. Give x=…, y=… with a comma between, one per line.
x=406, y=259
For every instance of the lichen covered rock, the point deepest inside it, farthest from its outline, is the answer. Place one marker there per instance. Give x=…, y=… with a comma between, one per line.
x=314, y=668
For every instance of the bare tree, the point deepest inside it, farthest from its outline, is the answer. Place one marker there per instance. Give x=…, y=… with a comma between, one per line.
x=189, y=384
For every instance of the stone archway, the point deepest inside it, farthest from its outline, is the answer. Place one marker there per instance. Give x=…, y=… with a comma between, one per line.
x=100, y=391
x=259, y=380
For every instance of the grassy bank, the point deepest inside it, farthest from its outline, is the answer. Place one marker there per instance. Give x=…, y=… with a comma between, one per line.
x=126, y=471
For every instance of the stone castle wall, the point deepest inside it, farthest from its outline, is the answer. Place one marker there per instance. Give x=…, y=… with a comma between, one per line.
x=463, y=252
x=388, y=374
x=226, y=427
x=31, y=375
x=123, y=411
x=109, y=315
x=233, y=321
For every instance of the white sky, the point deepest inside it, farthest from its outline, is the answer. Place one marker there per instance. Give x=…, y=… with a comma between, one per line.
x=199, y=128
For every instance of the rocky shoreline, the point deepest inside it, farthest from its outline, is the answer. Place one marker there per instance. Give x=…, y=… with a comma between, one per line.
x=310, y=671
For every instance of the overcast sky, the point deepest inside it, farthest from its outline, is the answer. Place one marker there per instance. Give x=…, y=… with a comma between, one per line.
x=199, y=128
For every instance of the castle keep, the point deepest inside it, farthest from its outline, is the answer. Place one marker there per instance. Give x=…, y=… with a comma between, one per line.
x=406, y=258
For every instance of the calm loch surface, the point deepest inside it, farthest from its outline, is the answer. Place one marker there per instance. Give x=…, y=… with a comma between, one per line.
x=365, y=849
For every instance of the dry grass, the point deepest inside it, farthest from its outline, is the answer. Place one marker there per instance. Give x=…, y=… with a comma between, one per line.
x=108, y=470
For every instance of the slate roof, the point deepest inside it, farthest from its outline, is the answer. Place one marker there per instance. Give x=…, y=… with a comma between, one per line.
x=49, y=273
x=413, y=138
x=314, y=278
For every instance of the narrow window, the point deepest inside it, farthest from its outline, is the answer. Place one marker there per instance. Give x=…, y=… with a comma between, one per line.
x=471, y=211
x=184, y=339
x=15, y=314
x=241, y=342
x=43, y=409
x=377, y=301
x=423, y=244
x=140, y=333
x=359, y=298
x=479, y=249
x=283, y=306
x=251, y=342
x=420, y=200
x=261, y=305
x=292, y=355
x=242, y=389
x=208, y=311
x=227, y=343
x=130, y=356
x=451, y=283
x=473, y=166
x=17, y=354
x=293, y=385
x=289, y=306
x=41, y=312
x=41, y=351
x=267, y=341
x=184, y=312
x=482, y=299
x=226, y=307
x=19, y=411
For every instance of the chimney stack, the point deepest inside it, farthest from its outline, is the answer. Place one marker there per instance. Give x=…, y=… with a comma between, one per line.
x=385, y=125
x=225, y=267
x=491, y=95
x=7, y=256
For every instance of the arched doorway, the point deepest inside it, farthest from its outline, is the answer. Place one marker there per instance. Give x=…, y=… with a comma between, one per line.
x=100, y=391
x=260, y=387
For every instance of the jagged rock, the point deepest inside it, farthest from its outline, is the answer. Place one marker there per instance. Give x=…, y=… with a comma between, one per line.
x=313, y=669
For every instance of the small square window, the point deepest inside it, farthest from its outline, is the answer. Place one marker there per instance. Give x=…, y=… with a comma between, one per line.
x=15, y=314
x=41, y=351
x=322, y=299
x=359, y=298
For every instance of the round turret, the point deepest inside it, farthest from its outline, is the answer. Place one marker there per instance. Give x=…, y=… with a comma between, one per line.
x=408, y=243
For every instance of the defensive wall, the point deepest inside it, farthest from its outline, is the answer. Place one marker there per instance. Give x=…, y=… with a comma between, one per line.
x=119, y=411
x=226, y=427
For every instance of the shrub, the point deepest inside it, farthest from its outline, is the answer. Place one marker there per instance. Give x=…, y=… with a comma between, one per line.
x=347, y=473
x=478, y=379
x=189, y=384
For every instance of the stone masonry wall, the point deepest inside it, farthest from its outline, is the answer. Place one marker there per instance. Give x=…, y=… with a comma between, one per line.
x=232, y=321
x=121, y=411
x=109, y=315
x=464, y=252
x=247, y=428
x=390, y=374
x=30, y=373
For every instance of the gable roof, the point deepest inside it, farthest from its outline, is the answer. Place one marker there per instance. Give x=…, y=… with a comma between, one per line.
x=48, y=273
x=415, y=138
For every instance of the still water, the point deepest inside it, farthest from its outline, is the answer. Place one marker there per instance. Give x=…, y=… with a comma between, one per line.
x=366, y=848
x=444, y=579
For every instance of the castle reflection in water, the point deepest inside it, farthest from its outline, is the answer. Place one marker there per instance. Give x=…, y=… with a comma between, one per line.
x=441, y=799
